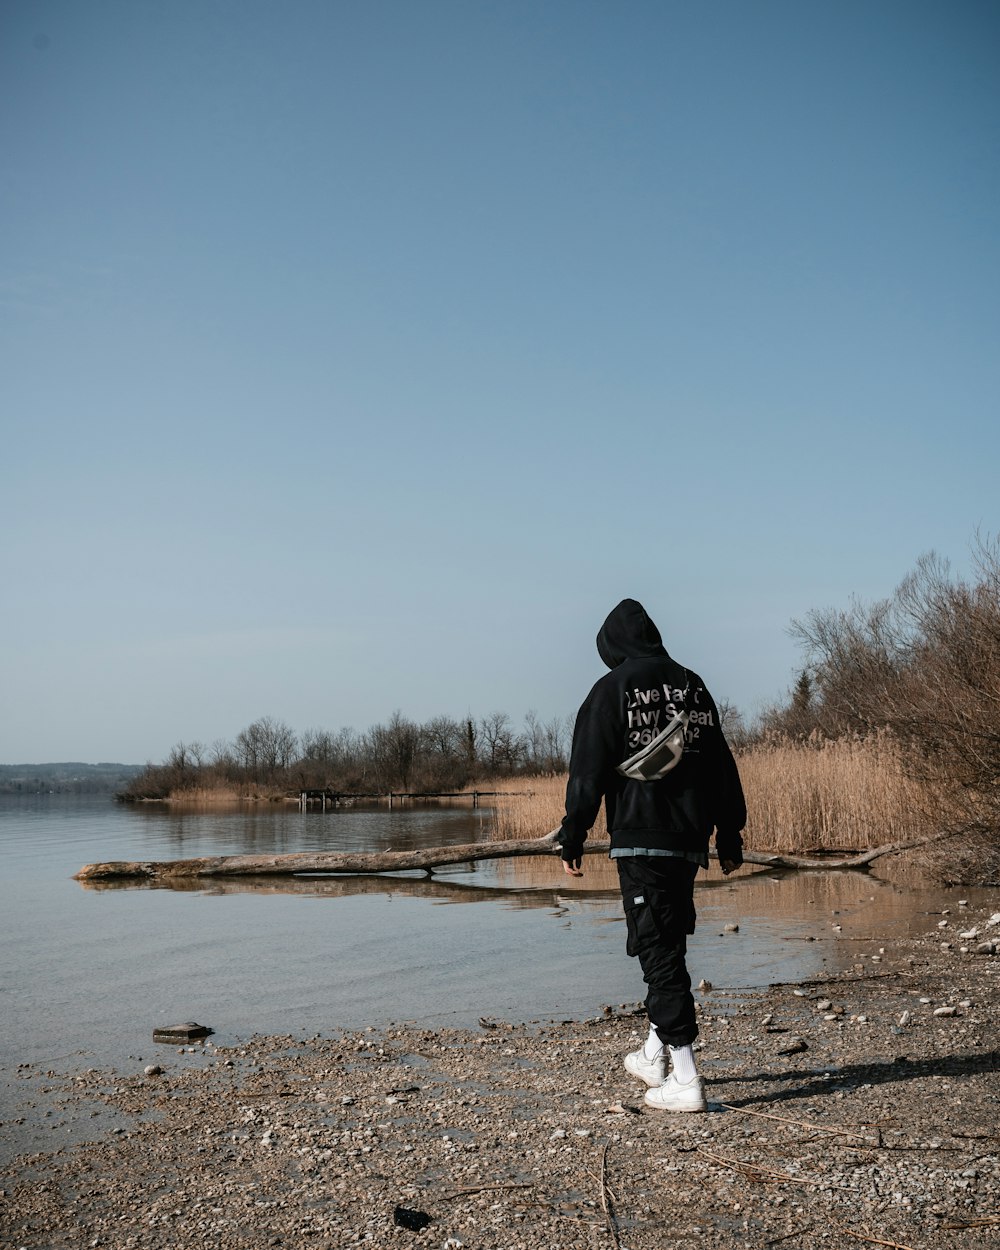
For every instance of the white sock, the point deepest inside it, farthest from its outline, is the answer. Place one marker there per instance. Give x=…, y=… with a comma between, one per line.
x=682, y=1062
x=652, y=1047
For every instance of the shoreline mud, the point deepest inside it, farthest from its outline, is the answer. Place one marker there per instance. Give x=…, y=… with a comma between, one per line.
x=863, y=1108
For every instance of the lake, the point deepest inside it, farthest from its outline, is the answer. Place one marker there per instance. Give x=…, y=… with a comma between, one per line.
x=88, y=973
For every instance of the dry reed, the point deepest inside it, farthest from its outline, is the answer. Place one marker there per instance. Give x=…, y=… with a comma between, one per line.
x=847, y=793
x=536, y=813
x=830, y=794
x=208, y=796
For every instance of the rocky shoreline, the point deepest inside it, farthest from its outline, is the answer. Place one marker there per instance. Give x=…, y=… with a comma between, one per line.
x=862, y=1109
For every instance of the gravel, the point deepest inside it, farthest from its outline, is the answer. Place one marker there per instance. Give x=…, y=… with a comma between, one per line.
x=862, y=1109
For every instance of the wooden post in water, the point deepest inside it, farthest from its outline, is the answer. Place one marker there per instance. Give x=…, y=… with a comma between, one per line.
x=390, y=800
x=475, y=799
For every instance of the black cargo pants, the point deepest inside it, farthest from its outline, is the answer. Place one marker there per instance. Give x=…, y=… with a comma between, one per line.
x=658, y=897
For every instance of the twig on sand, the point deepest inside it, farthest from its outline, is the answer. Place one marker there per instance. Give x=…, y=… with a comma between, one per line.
x=608, y=1214
x=875, y=1241
x=796, y=1232
x=768, y=1115
x=756, y=1172
x=979, y=1221
x=478, y=1189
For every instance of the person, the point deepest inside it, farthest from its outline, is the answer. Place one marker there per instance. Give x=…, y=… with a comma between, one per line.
x=648, y=742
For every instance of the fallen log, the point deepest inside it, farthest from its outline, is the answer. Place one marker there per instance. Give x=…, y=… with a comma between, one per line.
x=322, y=861
x=425, y=860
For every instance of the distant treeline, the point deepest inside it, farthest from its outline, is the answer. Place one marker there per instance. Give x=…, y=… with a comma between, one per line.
x=66, y=778
x=442, y=754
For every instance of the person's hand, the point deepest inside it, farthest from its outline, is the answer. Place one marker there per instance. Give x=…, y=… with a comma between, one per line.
x=572, y=859
x=730, y=849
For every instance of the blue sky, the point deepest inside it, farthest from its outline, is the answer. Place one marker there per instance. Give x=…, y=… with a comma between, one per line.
x=362, y=356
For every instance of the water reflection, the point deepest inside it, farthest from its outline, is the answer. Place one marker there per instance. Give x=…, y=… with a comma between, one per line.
x=279, y=828
x=809, y=905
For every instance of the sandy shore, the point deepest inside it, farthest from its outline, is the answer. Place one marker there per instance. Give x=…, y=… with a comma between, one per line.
x=863, y=1109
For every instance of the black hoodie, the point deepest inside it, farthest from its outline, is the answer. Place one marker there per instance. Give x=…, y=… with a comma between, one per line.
x=623, y=711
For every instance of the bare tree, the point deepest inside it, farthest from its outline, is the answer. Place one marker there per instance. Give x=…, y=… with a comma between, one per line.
x=393, y=749
x=265, y=749
x=924, y=664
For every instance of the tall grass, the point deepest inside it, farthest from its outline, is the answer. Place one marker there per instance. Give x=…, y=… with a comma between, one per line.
x=536, y=813
x=846, y=793
x=801, y=795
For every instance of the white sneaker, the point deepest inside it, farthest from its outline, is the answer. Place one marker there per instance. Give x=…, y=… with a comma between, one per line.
x=652, y=1071
x=674, y=1095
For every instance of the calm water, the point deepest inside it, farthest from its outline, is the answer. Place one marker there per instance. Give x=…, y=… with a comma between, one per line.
x=88, y=973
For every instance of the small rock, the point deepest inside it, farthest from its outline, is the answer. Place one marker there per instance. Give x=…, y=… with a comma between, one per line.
x=994, y=919
x=186, y=1032
x=557, y=1134
x=792, y=1046
x=704, y=985
x=154, y=1069
x=824, y=1004
x=767, y=1019
x=904, y=1019
x=415, y=1221
x=986, y=948
x=946, y=1011
x=731, y=928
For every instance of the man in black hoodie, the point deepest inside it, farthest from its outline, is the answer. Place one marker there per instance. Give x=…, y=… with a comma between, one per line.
x=648, y=742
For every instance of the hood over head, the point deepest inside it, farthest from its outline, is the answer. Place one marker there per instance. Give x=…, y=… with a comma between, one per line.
x=628, y=634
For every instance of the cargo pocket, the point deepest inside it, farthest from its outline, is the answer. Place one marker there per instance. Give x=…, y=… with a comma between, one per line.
x=640, y=923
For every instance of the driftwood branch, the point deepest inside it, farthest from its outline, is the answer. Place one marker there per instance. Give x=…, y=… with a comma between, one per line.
x=425, y=860
x=605, y=1200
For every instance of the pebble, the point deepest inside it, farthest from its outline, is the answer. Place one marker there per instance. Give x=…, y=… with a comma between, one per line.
x=792, y=1045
